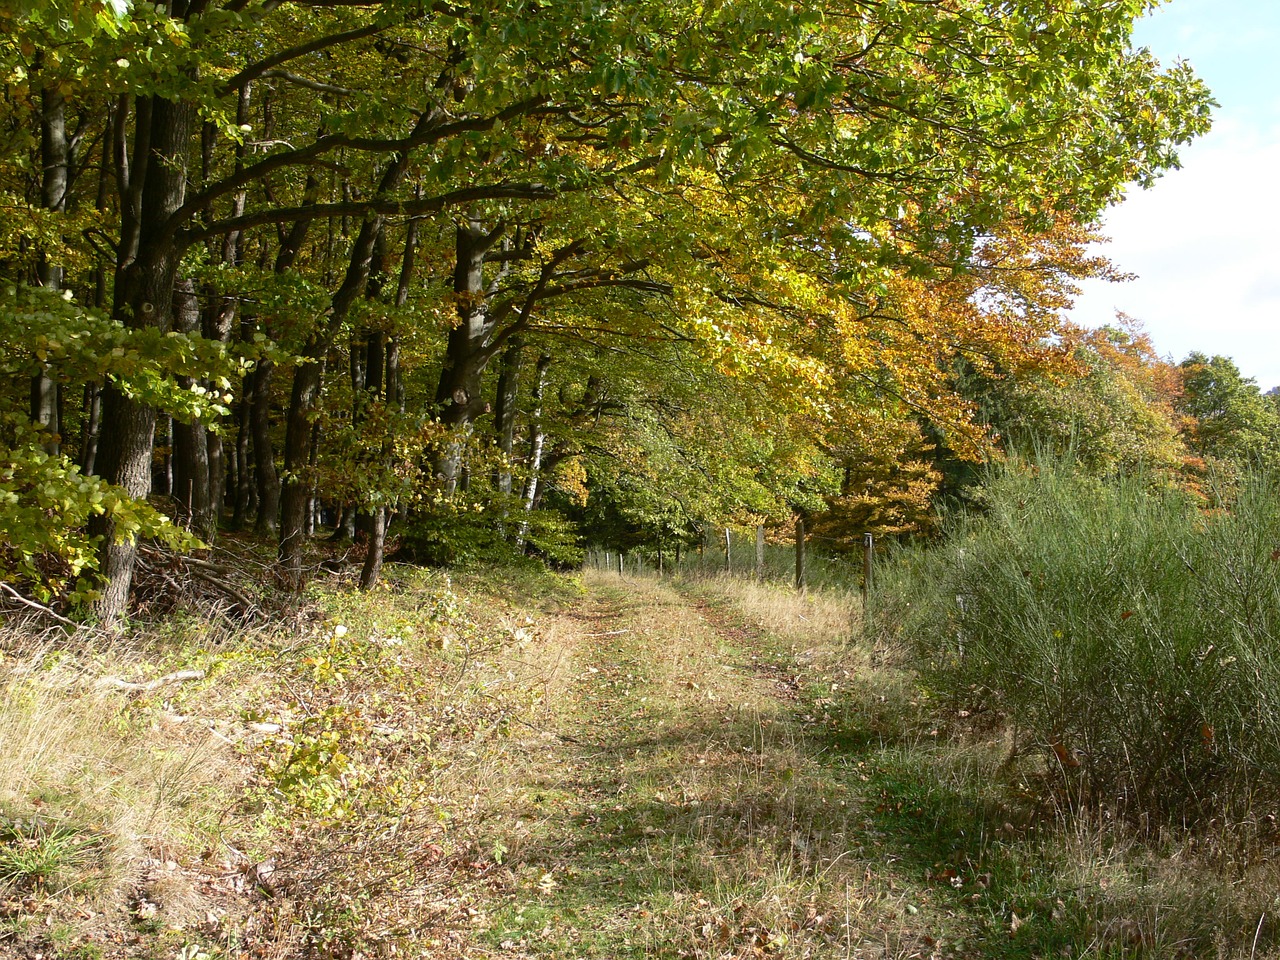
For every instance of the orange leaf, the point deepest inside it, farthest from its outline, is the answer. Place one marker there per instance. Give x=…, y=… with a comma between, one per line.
x=1065, y=756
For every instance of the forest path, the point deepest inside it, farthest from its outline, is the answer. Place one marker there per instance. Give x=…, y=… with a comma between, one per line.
x=677, y=797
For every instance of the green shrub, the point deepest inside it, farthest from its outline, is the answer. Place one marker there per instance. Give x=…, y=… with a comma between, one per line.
x=45, y=506
x=462, y=534
x=1124, y=632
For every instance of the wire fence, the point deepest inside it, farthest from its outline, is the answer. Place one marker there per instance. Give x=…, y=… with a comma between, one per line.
x=738, y=552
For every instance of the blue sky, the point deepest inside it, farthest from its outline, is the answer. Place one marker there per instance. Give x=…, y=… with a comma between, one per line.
x=1205, y=241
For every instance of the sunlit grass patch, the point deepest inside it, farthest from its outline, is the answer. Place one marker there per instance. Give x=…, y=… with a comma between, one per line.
x=827, y=616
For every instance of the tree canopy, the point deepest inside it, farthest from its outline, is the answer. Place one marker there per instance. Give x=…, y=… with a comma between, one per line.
x=675, y=261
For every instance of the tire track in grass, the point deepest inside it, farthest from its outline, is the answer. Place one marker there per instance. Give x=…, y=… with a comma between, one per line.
x=617, y=820
x=671, y=807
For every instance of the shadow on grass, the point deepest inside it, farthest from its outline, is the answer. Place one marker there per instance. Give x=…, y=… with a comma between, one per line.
x=730, y=814
x=749, y=834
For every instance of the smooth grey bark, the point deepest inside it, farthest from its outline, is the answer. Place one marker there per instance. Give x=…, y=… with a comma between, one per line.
x=504, y=411
x=55, y=153
x=537, y=440
x=92, y=425
x=345, y=527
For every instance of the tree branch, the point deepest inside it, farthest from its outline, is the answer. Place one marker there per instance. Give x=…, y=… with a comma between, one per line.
x=71, y=624
x=389, y=208
x=255, y=70
x=308, y=83
x=428, y=129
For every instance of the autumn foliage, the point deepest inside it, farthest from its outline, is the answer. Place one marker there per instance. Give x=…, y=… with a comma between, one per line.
x=674, y=263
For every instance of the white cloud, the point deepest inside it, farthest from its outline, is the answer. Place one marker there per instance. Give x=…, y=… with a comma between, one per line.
x=1205, y=244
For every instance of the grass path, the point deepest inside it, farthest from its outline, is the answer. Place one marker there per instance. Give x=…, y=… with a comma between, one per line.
x=678, y=802
x=614, y=817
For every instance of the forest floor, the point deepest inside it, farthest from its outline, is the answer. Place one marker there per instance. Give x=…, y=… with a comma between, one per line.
x=506, y=766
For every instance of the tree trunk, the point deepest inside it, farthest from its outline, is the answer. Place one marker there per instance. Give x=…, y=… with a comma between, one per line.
x=377, y=545
x=305, y=396
x=92, y=424
x=165, y=486
x=244, y=411
x=458, y=398
x=295, y=495
x=269, y=489
x=54, y=157
x=504, y=414
x=264, y=454
x=93, y=392
x=395, y=385
x=344, y=528
x=217, y=325
x=191, y=490
x=315, y=506
x=150, y=255
x=537, y=439
x=387, y=366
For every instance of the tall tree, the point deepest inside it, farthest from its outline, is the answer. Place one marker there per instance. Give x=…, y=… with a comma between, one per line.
x=1228, y=418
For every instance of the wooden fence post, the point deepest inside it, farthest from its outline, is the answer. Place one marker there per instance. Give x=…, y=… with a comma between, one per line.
x=800, y=565
x=728, y=552
x=868, y=552
x=619, y=563
x=760, y=552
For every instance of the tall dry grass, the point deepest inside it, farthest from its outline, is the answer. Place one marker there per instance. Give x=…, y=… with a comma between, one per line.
x=820, y=617
x=104, y=770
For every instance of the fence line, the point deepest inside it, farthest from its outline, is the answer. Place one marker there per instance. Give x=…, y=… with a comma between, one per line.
x=777, y=562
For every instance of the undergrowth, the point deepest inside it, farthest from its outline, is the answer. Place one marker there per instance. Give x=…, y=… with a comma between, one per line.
x=306, y=787
x=1126, y=636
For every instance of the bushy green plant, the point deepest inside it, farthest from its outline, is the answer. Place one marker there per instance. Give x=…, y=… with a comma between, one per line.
x=461, y=533
x=45, y=504
x=1120, y=629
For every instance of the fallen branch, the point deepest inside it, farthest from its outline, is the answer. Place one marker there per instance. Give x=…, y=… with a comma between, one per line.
x=248, y=605
x=214, y=575
x=40, y=607
x=179, y=677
